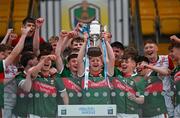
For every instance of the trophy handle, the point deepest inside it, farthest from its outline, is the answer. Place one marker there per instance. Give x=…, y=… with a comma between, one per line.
x=105, y=28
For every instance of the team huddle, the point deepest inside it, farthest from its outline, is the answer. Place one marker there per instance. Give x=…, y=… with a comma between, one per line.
x=37, y=76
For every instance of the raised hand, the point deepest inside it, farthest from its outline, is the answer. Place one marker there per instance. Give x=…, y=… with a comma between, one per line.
x=73, y=34
x=50, y=57
x=25, y=30
x=78, y=26
x=7, y=37
x=39, y=22
x=175, y=38
x=63, y=34
x=13, y=36
x=9, y=31
x=107, y=36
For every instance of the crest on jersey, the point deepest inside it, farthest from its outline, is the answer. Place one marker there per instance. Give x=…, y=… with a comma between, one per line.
x=83, y=12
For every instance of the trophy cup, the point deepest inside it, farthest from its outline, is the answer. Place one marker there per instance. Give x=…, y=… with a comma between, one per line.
x=95, y=32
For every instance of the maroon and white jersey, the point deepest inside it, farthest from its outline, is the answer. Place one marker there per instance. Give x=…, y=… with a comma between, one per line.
x=166, y=62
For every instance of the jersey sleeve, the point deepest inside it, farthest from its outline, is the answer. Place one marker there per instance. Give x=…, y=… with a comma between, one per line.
x=20, y=78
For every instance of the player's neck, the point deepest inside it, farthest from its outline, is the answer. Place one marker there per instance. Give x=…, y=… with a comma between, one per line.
x=95, y=73
x=153, y=59
x=74, y=73
x=45, y=73
x=127, y=74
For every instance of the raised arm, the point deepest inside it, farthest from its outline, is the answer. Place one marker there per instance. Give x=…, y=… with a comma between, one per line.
x=31, y=74
x=110, y=55
x=67, y=38
x=58, y=51
x=161, y=70
x=81, y=56
x=36, y=42
x=72, y=34
x=4, y=41
x=18, y=48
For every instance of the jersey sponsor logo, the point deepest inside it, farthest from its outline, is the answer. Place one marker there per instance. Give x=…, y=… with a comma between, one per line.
x=177, y=77
x=71, y=85
x=92, y=84
x=45, y=88
x=154, y=87
x=124, y=87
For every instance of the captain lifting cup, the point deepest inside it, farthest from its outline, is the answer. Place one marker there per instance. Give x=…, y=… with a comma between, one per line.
x=92, y=49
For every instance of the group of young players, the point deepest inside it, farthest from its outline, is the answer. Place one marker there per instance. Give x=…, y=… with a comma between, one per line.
x=37, y=76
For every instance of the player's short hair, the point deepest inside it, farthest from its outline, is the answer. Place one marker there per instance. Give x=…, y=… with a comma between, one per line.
x=77, y=39
x=28, y=20
x=117, y=44
x=150, y=41
x=141, y=59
